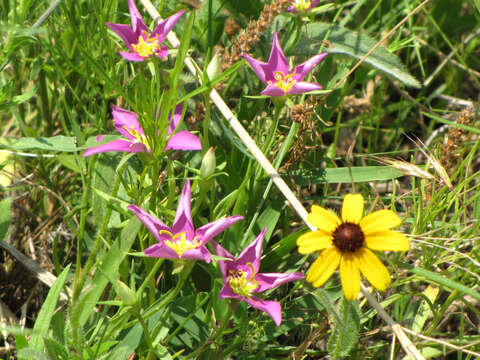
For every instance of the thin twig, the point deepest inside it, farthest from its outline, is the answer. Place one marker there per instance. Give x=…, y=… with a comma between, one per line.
x=40, y=273
x=380, y=42
x=407, y=345
x=442, y=342
x=448, y=58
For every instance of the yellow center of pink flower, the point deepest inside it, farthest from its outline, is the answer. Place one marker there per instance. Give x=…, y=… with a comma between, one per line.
x=284, y=82
x=139, y=137
x=146, y=46
x=240, y=283
x=301, y=5
x=180, y=243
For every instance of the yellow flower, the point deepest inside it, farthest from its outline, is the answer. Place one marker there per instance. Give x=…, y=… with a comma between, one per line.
x=348, y=242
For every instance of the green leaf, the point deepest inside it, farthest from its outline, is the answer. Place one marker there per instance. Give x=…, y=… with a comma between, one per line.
x=72, y=162
x=5, y=216
x=19, y=99
x=345, y=332
x=103, y=181
x=269, y=218
x=109, y=265
x=355, y=45
x=55, y=350
x=442, y=280
x=452, y=123
x=42, y=324
x=345, y=175
x=31, y=354
x=54, y=143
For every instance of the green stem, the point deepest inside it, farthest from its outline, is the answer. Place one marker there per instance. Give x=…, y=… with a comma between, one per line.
x=276, y=164
x=216, y=334
x=148, y=338
x=151, y=276
x=83, y=216
x=273, y=131
x=206, y=123
x=173, y=293
x=98, y=241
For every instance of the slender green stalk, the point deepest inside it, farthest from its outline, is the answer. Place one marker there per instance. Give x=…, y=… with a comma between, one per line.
x=87, y=182
x=206, y=124
x=216, y=334
x=78, y=286
x=146, y=332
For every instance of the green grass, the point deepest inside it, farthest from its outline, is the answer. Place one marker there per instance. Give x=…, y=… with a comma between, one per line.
x=58, y=81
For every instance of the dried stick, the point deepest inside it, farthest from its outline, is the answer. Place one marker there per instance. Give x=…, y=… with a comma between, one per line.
x=272, y=173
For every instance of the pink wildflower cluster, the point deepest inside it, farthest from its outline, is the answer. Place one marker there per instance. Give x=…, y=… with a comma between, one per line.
x=182, y=241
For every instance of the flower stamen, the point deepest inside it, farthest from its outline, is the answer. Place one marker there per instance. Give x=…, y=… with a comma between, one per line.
x=284, y=82
x=139, y=137
x=147, y=45
x=180, y=243
x=241, y=283
x=301, y=5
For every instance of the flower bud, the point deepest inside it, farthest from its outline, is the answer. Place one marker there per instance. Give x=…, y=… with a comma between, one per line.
x=125, y=293
x=213, y=68
x=209, y=163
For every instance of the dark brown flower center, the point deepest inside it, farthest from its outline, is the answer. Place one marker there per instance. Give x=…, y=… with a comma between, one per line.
x=348, y=237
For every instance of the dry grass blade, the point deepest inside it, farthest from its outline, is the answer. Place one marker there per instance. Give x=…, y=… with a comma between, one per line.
x=40, y=273
x=380, y=42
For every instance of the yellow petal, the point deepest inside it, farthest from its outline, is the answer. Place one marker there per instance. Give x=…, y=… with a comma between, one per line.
x=373, y=269
x=350, y=275
x=378, y=221
x=323, y=219
x=387, y=240
x=324, y=266
x=352, y=208
x=313, y=241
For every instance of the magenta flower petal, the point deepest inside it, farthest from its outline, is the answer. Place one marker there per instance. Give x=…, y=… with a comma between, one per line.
x=277, y=75
x=162, y=53
x=303, y=87
x=115, y=145
x=181, y=241
x=273, y=90
x=141, y=43
x=126, y=123
x=183, y=217
x=305, y=68
x=257, y=66
x=125, y=32
x=277, y=60
x=136, y=19
x=272, y=308
x=151, y=222
x=161, y=251
x=177, y=116
x=166, y=25
x=227, y=293
x=131, y=56
x=252, y=253
x=209, y=231
x=220, y=251
x=241, y=278
x=269, y=281
x=184, y=140
x=124, y=120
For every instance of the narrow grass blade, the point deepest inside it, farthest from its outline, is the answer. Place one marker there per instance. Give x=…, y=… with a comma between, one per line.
x=42, y=324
